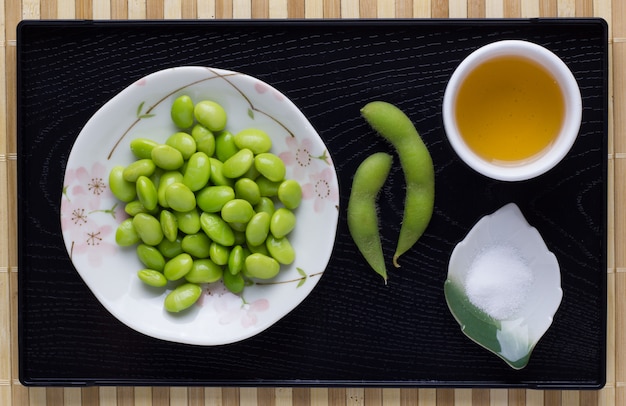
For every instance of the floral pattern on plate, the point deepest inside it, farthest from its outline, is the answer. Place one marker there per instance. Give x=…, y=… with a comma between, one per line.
x=90, y=213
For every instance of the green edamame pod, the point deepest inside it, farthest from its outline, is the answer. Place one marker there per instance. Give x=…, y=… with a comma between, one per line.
x=362, y=212
x=393, y=125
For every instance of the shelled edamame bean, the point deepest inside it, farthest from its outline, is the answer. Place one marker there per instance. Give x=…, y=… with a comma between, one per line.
x=205, y=205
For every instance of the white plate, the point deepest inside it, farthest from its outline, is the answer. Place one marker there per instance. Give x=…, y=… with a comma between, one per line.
x=90, y=213
x=512, y=337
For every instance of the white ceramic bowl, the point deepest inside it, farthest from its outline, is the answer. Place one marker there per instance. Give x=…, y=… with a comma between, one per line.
x=513, y=337
x=556, y=151
x=90, y=213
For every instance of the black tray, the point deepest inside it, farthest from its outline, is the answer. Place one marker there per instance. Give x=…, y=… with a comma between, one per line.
x=352, y=330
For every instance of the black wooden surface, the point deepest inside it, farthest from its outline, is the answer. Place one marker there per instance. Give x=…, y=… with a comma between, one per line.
x=351, y=330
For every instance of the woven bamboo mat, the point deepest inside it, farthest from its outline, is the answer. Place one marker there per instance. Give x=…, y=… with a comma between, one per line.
x=12, y=11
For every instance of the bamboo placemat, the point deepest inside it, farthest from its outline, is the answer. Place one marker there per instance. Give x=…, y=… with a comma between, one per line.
x=13, y=393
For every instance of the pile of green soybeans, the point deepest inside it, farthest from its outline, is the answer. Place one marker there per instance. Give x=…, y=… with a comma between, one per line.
x=206, y=205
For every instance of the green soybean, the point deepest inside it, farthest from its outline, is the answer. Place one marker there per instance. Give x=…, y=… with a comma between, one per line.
x=211, y=199
x=270, y=166
x=267, y=188
x=257, y=140
x=290, y=193
x=169, y=249
x=147, y=193
x=261, y=266
x=120, y=187
x=247, y=189
x=178, y=266
x=266, y=205
x=282, y=222
x=217, y=229
x=169, y=224
x=148, y=228
x=258, y=228
x=179, y=197
x=204, y=271
x=417, y=164
x=125, y=234
x=238, y=164
x=167, y=179
x=217, y=175
x=362, y=212
x=236, y=259
x=182, y=112
x=183, y=297
x=197, y=172
x=188, y=221
x=142, y=147
x=135, y=207
x=182, y=142
x=219, y=253
x=151, y=257
x=211, y=115
x=197, y=245
x=280, y=249
x=233, y=282
x=225, y=146
x=167, y=157
x=152, y=278
x=145, y=167
x=205, y=140
x=237, y=211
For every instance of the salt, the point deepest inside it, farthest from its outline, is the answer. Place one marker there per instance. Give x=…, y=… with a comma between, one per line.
x=498, y=281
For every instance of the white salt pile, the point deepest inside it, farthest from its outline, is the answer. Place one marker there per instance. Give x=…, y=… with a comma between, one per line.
x=498, y=281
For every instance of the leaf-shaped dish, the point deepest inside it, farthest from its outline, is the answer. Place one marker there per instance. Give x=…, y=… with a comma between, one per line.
x=514, y=335
x=90, y=213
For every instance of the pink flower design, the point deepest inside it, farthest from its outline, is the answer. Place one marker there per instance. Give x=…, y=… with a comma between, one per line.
x=261, y=88
x=301, y=157
x=92, y=236
x=83, y=194
x=321, y=187
x=232, y=308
